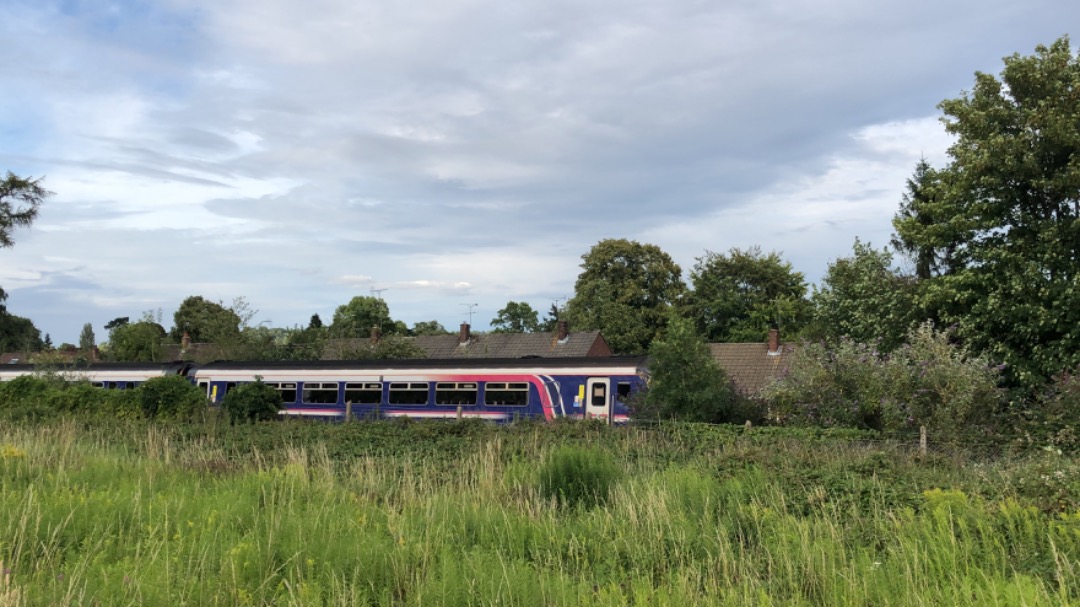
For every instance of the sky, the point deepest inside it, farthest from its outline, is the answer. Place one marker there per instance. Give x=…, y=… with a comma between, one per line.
x=453, y=155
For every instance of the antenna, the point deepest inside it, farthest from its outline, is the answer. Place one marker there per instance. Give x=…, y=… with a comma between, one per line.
x=555, y=304
x=378, y=292
x=470, y=306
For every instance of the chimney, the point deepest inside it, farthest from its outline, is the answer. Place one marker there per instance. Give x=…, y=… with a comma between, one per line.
x=562, y=330
x=774, y=341
x=376, y=335
x=463, y=334
x=185, y=341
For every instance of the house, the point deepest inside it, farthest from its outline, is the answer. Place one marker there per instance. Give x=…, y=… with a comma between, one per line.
x=752, y=366
x=560, y=343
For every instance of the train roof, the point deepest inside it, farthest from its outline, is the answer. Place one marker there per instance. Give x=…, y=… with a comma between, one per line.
x=592, y=362
x=98, y=366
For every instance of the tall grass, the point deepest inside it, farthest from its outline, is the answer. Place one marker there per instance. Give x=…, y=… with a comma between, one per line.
x=153, y=515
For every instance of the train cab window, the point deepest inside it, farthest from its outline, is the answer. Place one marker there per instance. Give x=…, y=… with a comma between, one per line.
x=320, y=393
x=228, y=386
x=205, y=387
x=622, y=391
x=369, y=393
x=455, y=393
x=408, y=393
x=514, y=394
x=287, y=390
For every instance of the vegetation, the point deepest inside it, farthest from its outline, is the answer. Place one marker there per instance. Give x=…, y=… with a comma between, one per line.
x=516, y=317
x=252, y=402
x=362, y=314
x=123, y=513
x=625, y=290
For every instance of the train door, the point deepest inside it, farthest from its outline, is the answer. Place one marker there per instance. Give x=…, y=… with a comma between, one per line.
x=598, y=397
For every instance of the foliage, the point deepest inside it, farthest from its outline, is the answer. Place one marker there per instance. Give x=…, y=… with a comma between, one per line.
x=1053, y=420
x=686, y=383
x=171, y=397
x=140, y=341
x=516, y=317
x=252, y=402
x=918, y=225
x=428, y=327
x=929, y=381
x=20, y=200
x=1007, y=209
x=625, y=290
x=738, y=296
x=578, y=476
x=394, y=347
x=358, y=317
x=864, y=299
x=205, y=321
x=86, y=338
x=315, y=322
x=18, y=334
x=47, y=395
x=117, y=322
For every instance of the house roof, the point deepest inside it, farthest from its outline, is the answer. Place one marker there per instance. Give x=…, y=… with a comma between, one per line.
x=491, y=345
x=750, y=365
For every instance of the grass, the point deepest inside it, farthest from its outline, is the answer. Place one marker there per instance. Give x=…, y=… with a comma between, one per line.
x=130, y=513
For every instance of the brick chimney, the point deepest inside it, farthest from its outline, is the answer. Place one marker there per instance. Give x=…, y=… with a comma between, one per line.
x=185, y=341
x=774, y=341
x=463, y=334
x=562, y=330
x=376, y=335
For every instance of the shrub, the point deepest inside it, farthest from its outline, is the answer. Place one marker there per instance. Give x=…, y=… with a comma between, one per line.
x=686, y=383
x=1053, y=420
x=252, y=402
x=578, y=476
x=928, y=381
x=171, y=397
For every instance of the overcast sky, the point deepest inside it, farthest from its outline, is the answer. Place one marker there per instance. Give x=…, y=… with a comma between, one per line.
x=454, y=152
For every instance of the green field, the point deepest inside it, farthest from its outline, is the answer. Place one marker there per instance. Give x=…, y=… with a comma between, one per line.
x=136, y=513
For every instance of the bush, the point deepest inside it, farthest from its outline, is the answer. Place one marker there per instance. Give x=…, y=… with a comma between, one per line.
x=928, y=381
x=171, y=397
x=1053, y=420
x=686, y=383
x=578, y=476
x=252, y=402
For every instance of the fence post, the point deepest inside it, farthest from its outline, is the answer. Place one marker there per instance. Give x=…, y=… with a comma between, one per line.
x=348, y=410
x=459, y=412
x=922, y=441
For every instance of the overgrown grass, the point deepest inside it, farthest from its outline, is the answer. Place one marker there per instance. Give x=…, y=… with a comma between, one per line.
x=135, y=513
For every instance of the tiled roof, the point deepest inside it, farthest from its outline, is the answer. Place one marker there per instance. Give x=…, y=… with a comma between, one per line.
x=491, y=345
x=751, y=366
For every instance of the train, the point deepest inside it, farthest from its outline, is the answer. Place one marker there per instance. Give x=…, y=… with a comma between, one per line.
x=498, y=390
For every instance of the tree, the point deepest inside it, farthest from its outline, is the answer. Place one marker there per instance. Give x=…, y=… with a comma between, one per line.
x=1009, y=205
x=516, y=317
x=138, y=341
x=625, y=290
x=864, y=298
x=117, y=322
x=18, y=334
x=20, y=200
x=205, y=321
x=360, y=315
x=428, y=327
x=315, y=322
x=919, y=235
x=737, y=297
x=685, y=381
x=86, y=338
x=252, y=402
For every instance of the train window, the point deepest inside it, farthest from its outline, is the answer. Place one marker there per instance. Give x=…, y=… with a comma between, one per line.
x=599, y=395
x=205, y=387
x=97, y=384
x=622, y=391
x=514, y=394
x=288, y=391
x=408, y=393
x=125, y=385
x=320, y=393
x=111, y=385
x=455, y=393
x=363, y=394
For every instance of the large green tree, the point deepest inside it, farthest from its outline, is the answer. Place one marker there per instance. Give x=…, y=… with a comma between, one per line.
x=625, y=290
x=140, y=341
x=922, y=231
x=360, y=315
x=205, y=321
x=1008, y=202
x=516, y=317
x=863, y=297
x=738, y=296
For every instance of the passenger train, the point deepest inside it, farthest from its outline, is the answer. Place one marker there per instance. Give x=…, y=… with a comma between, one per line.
x=491, y=389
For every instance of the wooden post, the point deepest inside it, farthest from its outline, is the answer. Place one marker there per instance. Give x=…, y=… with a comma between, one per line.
x=922, y=441
x=348, y=410
x=459, y=412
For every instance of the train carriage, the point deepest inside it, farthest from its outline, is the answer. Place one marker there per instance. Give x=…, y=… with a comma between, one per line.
x=116, y=376
x=491, y=389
